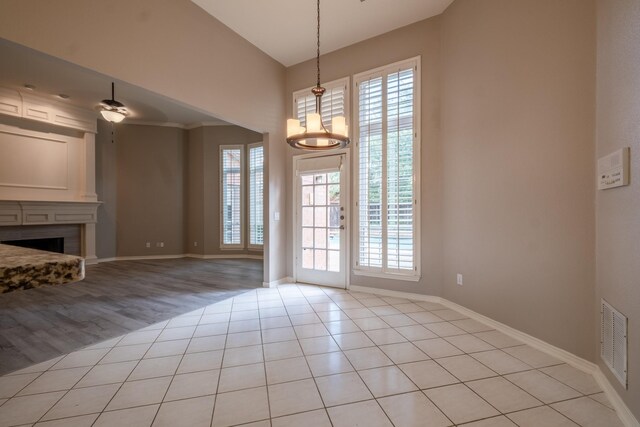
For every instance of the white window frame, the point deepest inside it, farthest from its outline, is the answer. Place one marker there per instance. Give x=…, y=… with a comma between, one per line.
x=241, y=245
x=250, y=245
x=328, y=86
x=383, y=272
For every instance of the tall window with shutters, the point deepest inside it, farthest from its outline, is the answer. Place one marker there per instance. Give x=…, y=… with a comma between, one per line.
x=256, y=183
x=335, y=102
x=388, y=163
x=231, y=196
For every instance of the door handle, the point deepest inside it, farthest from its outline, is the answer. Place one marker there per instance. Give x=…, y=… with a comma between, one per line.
x=342, y=227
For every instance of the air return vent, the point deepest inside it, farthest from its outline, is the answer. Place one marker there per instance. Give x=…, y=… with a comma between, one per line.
x=613, y=341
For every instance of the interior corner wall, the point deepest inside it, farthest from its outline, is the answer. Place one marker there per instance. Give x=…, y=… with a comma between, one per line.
x=195, y=213
x=106, y=189
x=518, y=111
x=618, y=222
x=151, y=168
x=421, y=38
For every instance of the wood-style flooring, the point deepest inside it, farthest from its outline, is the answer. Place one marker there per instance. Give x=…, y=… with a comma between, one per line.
x=114, y=298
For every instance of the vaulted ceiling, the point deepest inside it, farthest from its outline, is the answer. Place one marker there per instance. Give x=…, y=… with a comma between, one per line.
x=286, y=29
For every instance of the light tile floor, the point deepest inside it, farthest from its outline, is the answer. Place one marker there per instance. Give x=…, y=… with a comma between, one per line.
x=311, y=356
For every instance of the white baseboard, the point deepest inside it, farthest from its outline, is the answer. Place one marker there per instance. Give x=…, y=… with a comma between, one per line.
x=623, y=411
x=278, y=282
x=91, y=260
x=139, y=258
x=625, y=414
x=558, y=353
x=198, y=256
x=223, y=256
x=396, y=294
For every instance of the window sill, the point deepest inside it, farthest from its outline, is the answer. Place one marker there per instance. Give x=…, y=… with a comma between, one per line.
x=389, y=276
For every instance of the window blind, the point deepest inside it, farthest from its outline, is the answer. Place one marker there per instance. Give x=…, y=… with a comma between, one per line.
x=256, y=170
x=387, y=166
x=231, y=183
x=333, y=104
x=370, y=197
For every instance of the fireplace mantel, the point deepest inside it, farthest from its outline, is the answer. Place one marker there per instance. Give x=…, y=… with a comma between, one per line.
x=29, y=212
x=24, y=212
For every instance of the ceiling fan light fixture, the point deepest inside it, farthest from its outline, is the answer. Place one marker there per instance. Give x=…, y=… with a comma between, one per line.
x=112, y=116
x=113, y=111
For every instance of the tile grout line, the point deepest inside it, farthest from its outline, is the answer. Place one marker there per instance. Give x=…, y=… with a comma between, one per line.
x=463, y=382
x=331, y=335
x=175, y=373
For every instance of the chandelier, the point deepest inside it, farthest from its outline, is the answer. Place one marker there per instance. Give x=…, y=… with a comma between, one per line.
x=315, y=136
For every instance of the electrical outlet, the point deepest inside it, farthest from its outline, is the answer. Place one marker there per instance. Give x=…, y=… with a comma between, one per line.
x=276, y=216
x=148, y=244
x=459, y=279
x=162, y=244
x=195, y=244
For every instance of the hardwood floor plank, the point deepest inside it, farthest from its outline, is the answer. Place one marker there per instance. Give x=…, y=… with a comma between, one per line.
x=114, y=298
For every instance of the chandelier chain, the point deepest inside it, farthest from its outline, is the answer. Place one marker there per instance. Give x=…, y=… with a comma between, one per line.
x=318, y=47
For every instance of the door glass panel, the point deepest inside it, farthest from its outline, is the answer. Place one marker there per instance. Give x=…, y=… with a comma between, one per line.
x=333, y=177
x=307, y=179
x=334, y=216
x=320, y=259
x=321, y=195
x=321, y=217
x=334, y=260
x=307, y=258
x=334, y=194
x=321, y=238
x=320, y=178
x=307, y=195
x=307, y=237
x=334, y=238
x=307, y=217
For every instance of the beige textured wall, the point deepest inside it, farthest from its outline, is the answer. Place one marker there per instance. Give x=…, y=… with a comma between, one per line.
x=151, y=165
x=518, y=144
x=422, y=38
x=154, y=41
x=618, y=222
x=106, y=189
x=195, y=191
x=204, y=185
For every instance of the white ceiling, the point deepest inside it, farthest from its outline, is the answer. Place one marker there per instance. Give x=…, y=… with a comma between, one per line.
x=286, y=29
x=52, y=76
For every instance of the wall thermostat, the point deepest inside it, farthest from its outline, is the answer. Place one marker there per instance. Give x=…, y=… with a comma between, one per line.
x=613, y=169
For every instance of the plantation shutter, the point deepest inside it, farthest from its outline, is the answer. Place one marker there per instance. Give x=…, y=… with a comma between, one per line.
x=386, y=163
x=256, y=170
x=333, y=105
x=400, y=189
x=370, y=197
x=231, y=183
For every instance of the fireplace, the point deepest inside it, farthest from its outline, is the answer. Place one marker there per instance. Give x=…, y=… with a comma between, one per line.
x=61, y=238
x=51, y=244
x=30, y=220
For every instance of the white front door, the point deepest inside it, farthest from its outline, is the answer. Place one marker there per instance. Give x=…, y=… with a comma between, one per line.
x=320, y=243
